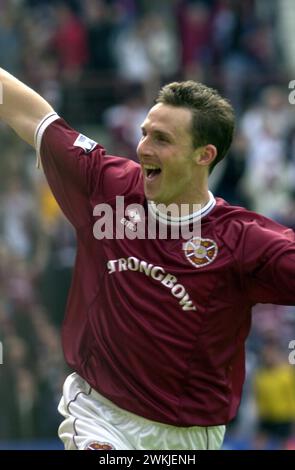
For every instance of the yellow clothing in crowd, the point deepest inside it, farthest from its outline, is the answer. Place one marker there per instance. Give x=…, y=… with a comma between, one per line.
x=275, y=393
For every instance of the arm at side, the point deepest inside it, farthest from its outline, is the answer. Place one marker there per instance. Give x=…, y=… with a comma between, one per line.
x=21, y=107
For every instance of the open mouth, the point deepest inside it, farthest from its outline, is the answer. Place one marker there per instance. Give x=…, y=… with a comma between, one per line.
x=151, y=171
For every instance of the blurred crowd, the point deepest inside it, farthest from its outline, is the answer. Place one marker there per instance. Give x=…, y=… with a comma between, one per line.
x=100, y=63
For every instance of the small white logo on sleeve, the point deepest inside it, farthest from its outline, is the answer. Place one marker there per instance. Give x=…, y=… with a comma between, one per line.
x=85, y=143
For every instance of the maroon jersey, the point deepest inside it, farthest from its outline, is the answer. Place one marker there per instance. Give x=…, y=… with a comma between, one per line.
x=158, y=326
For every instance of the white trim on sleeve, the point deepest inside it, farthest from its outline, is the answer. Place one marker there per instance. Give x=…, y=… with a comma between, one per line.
x=42, y=126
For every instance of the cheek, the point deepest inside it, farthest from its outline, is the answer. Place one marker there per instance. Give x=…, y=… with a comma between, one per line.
x=179, y=173
x=138, y=151
x=175, y=167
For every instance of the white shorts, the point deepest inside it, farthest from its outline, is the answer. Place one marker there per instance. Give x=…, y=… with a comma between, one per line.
x=93, y=422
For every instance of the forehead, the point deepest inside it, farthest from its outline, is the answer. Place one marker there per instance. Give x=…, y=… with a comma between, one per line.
x=172, y=119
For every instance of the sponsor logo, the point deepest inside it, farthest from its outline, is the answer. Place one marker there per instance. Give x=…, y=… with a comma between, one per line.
x=200, y=251
x=158, y=274
x=96, y=445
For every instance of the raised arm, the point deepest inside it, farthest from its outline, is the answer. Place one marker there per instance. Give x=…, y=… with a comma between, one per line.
x=21, y=107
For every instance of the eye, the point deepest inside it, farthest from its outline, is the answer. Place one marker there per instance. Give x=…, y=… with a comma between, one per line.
x=162, y=139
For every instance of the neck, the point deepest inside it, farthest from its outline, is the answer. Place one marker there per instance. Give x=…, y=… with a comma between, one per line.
x=182, y=209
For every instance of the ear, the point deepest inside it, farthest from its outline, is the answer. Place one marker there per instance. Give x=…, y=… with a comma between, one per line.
x=205, y=155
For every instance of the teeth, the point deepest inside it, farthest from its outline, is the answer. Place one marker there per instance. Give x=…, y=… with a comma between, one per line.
x=151, y=167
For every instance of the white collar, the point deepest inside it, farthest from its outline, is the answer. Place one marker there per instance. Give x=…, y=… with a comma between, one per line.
x=184, y=220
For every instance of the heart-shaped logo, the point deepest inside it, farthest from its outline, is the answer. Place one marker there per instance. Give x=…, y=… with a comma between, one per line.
x=200, y=251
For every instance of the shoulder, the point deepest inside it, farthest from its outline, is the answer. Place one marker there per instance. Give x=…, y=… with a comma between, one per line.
x=236, y=225
x=123, y=172
x=56, y=136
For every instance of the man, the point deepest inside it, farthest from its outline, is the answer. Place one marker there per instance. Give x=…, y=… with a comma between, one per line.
x=155, y=326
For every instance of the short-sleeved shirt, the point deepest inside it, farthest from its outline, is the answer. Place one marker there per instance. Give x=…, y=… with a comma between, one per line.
x=158, y=326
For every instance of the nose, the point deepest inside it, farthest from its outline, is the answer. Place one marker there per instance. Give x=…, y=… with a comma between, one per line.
x=144, y=147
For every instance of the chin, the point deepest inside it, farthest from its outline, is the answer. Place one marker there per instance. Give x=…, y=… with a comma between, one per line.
x=150, y=196
x=155, y=199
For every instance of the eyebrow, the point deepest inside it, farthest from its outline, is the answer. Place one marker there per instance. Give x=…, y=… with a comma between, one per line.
x=158, y=131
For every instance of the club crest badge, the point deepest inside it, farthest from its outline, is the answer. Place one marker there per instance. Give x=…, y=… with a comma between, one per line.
x=200, y=251
x=99, y=446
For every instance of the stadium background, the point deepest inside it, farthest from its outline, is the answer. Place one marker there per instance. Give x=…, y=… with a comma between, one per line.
x=99, y=63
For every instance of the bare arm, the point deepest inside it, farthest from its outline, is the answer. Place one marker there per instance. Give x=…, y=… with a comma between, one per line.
x=21, y=107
